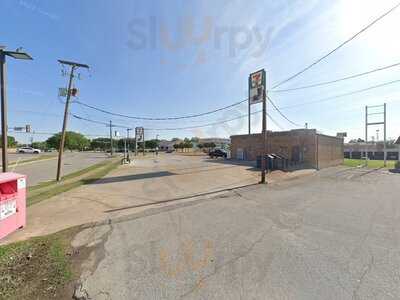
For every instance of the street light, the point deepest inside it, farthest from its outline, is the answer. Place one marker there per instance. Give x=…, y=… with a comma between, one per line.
x=16, y=55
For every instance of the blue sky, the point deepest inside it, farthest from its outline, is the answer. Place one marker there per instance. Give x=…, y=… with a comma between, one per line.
x=141, y=66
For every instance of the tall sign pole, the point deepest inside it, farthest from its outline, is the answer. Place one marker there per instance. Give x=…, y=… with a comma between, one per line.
x=74, y=66
x=111, y=140
x=383, y=122
x=144, y=144
x=258, y=94
x=384, y=135
x=249, y=83
x=366, y=136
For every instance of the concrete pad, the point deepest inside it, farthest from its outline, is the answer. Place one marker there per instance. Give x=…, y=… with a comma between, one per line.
x=154, y=181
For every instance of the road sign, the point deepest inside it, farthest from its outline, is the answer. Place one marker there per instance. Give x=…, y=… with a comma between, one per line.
x=341, y=134
x=62, y=92
x=256, y=87
x=28, y=128
x=19, y=128
x=139, y=134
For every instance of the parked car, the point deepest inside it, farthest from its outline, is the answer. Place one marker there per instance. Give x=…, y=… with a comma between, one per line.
x=218, y=153
x=28, y=150
x=169, y=151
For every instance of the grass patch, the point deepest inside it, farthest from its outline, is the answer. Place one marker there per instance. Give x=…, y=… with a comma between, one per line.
x=373, y=164
x=52, y=188
x=37, y=268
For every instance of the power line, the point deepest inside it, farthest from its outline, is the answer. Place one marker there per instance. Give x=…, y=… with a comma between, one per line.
x=281, y=113
x=336, y=80
x=337, y=48
x=160, y=118
x=39, y=132
x=213, y=124
x=341, y=95
x=97, y=122
x=275, y=122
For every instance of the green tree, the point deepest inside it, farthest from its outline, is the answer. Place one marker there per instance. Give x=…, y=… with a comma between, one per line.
x=40, y=145
x=152, y=144
x=102, y=144
x=73, y=141
x=10, y=141
x=187, y=144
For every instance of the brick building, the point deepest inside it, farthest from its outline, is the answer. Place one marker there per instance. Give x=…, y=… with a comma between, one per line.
x=304, y=146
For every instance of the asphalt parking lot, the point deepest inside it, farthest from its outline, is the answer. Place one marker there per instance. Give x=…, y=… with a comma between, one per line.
x=331, y=235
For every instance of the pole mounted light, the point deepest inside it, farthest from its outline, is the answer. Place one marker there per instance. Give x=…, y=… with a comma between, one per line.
x=4, y=127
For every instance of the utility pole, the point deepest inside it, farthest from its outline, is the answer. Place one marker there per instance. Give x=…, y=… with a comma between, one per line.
x=4, y=123
x=111, y=140
x=74, y=66
x=264, y=135
x=127, y=137
x=157, y=144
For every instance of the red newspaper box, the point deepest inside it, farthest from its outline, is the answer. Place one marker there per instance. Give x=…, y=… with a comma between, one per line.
x=12, y=202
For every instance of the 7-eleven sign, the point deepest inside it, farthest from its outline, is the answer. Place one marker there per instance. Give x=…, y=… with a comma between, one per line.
x=256, y=87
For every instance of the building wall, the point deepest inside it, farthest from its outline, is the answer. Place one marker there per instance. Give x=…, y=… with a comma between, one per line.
x=330, y=151
x=296, y=145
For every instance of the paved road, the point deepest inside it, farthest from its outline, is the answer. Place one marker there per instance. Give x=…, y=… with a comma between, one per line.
x=333, y=235
x=14, y=157
x=45, y=170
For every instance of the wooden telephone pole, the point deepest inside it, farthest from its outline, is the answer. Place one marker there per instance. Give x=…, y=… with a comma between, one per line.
x=74, y=66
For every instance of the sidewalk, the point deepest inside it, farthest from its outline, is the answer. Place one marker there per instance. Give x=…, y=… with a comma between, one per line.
x=133, y=188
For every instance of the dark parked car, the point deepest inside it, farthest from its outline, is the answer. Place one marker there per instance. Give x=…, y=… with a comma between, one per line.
x=218, y=153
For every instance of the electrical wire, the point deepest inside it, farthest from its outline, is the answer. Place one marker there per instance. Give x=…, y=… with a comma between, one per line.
x=337, y=48
x=98, y=122
x=336, y=80
x=160, y=118
x=281, y=113
x=341, y=95
x=214, y=123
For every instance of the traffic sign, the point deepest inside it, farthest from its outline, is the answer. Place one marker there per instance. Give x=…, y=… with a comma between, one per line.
x=139, y=134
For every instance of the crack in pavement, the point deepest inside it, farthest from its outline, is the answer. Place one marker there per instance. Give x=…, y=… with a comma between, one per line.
x=362, y=277
x=233, y=260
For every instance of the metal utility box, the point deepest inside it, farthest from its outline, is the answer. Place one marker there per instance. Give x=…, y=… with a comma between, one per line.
x=12, y=202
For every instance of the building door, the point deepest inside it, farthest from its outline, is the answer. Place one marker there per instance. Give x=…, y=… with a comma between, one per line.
x=240, y=154
x=296, y=153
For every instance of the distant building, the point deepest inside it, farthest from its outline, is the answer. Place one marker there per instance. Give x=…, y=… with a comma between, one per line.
x=165, y=145
x=372, y=150
x=303, y=146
